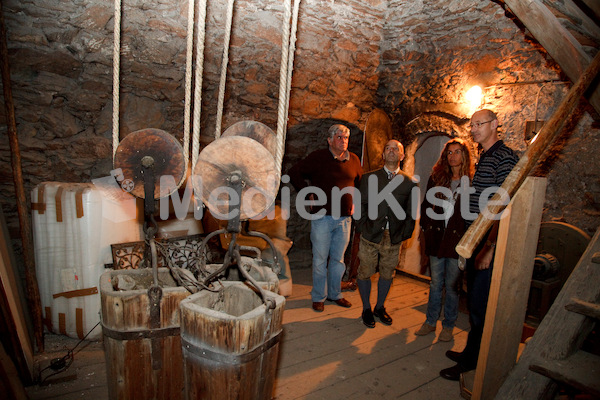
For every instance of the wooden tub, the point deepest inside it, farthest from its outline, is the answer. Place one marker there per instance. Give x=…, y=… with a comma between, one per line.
x=230, y=343
x=142, y=361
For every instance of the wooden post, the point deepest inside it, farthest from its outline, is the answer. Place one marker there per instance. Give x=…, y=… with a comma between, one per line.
x=13, y=307
x=536, y=150
x=511, y=279
x=33, y=291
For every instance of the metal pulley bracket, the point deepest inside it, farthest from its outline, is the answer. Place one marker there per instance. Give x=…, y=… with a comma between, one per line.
x=155, y=294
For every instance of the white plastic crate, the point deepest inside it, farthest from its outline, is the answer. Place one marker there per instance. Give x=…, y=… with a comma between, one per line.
x=74, y=225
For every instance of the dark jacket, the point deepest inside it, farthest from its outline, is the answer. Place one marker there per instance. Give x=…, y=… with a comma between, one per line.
x=440, y=240
x=400, y=228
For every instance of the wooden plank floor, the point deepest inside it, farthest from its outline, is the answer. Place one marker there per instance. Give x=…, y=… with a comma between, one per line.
x=332, y=355
x=328, y=355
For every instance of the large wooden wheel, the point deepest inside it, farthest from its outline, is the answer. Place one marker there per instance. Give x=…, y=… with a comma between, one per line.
x=243, y=147
x=153, y=146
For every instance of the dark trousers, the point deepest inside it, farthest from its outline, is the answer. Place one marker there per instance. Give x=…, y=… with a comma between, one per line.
x=478, y=290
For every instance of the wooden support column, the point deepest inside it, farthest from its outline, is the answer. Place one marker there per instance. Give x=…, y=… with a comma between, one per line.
x=33, y=291
x=513, y=267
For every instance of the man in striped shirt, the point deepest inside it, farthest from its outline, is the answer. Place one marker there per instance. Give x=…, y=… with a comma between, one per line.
x=495, y=163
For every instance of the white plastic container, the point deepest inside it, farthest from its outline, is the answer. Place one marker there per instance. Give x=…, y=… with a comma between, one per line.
x=74, y=225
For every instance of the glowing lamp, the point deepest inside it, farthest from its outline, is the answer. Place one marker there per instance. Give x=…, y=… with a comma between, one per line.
x=475, y=97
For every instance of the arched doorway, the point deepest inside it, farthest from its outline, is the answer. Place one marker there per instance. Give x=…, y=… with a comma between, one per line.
x=425, y=157
x=429, y=132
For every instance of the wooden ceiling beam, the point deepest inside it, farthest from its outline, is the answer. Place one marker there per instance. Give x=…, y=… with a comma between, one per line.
x=593, y=5
x=577, y=15
x=556, y=40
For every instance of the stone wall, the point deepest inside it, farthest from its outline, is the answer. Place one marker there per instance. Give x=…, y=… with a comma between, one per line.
x=407, y=57
x=61, y=56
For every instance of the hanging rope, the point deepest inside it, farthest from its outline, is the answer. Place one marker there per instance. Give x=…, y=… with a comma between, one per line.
x=288, y=47
x=116, y=78
x=285, y=79
x=188, y=81
x=285, y=40
x=292, y=51
x=224, y=68
x=198, y=81
x=188, y=74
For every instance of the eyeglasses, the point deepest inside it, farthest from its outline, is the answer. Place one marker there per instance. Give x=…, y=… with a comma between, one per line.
x=479, y=124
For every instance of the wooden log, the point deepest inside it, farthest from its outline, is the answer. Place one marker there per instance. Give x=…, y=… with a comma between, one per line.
x=536, y=150
x=230, y=343
x=33, y=292
x=130, y=343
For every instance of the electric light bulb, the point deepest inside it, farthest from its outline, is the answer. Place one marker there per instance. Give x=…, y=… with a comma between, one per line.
x=475, y=96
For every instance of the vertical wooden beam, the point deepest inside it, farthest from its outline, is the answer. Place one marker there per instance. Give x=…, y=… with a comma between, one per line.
x=9, y=378
x=13, y=307
x=509, y=291
x=33, y=291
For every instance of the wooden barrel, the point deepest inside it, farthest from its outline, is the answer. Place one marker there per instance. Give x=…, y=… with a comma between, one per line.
x=230, y=343
x=141, y=362
x=248, y=147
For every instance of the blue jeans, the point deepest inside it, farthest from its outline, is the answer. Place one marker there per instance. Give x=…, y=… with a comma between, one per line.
x=329, y=237
x=444, y=273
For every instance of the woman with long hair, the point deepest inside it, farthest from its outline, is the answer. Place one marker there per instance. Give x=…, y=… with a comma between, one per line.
x=443, y=227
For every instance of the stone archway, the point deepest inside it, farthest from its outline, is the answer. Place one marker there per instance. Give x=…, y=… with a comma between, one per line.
x=427, y=134
x=429, y=124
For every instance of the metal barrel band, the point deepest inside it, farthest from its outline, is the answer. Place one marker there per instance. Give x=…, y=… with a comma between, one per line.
x=141, y=334
x=232, y=359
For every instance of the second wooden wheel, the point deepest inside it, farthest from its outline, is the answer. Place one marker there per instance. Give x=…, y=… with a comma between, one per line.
x=154, y=147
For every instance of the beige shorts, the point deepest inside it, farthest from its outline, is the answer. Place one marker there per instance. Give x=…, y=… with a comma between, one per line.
x=384, y=254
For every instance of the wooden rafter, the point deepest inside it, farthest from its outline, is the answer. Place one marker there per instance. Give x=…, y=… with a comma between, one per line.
x=556, y=39
x=577, y=15
x=594, y=5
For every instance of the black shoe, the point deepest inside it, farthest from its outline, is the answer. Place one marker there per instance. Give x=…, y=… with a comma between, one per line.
x=453, y=373
x=454, y=356
x=367, y=318
x=383, y=316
